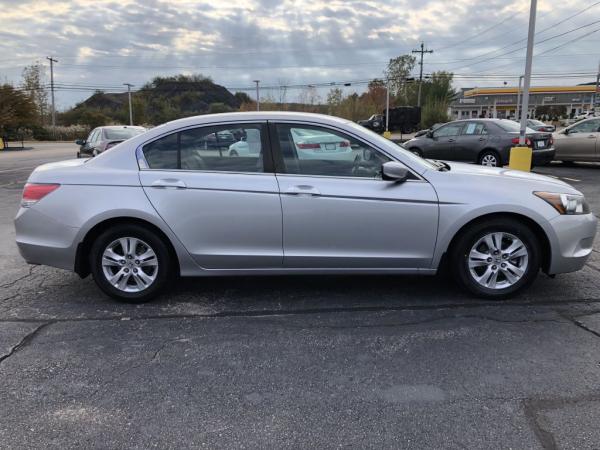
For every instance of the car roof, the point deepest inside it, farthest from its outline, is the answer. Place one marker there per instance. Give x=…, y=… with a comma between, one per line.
x=121, y=126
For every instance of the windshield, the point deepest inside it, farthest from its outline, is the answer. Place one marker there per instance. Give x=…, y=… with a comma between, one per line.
x=511, y=127
x=122, y=133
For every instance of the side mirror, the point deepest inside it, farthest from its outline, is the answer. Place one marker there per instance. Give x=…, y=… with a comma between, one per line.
x=566, y=131
x=394, y=171
x=80, y=142
x=430, y=134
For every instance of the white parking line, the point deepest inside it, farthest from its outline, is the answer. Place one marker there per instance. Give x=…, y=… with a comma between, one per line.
x=570, y=179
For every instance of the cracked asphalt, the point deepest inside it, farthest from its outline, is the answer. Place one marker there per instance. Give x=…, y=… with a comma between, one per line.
x=402, y=362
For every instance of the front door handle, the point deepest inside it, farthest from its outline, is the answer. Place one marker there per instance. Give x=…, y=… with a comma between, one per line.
x=592, y=136
x=302, y=189
x=172, y=183
x=482, y=139
x=450, y=140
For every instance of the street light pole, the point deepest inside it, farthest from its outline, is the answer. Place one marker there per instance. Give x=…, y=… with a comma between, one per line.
x=257, y=95
x=129, y=86
x=52, y=61
x=387, y=105
x=527, y=81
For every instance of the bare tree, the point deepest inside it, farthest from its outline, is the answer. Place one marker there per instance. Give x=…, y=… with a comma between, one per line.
x=34, y=85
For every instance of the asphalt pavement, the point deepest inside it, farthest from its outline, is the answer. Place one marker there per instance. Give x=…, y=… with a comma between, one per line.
x=371, y=361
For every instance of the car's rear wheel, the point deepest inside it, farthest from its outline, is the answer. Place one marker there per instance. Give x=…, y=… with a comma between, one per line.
x=496, y=258
x=489, y=158
x=417, y=151
x=233, y=153
x=130, y=263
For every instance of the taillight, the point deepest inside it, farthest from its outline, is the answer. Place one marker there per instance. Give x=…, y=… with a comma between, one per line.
x=516, y=141
x=551, y=140
x=34, y=192
x=307, y=146
x=345, y=144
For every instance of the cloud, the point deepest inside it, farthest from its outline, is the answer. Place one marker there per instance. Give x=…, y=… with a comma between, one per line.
x=106, y=43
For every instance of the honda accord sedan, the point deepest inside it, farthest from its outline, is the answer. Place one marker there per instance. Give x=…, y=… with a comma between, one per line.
x=166, y=204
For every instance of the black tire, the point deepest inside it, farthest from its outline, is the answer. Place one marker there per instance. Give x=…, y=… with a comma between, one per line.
x=78, y=155
x=416, y=151
x=142, y=233
x=233, y=153
x=459, y=256
x=489, y=154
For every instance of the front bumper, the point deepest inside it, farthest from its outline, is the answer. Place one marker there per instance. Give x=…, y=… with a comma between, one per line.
x=572, y=242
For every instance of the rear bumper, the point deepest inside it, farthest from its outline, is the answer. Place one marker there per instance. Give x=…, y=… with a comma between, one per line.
x=43, y=240
x=573, y=242
x=543, y=156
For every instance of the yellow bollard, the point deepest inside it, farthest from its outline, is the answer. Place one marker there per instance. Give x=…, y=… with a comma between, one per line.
x=520, y=158
x=387, y=134
x=1, y=144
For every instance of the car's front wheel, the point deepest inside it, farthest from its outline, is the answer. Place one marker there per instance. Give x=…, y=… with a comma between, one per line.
x=496, y=258
x=130, y=263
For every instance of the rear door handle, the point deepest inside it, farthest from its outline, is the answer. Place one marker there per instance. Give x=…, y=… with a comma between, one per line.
x=302, y=189
x=172, y=183
x=450, y=140
x=482, y=139
x=592, y=136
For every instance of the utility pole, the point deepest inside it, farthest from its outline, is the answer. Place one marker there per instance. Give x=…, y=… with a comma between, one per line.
x=387, y=105
x=257, y=95
x=422, y=51
x=129, y=86
x=518, y=115
x=595, y=94
x=52, y=61
x=527, y=83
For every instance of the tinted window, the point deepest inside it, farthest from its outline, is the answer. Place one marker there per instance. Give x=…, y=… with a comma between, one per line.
x=474, y=128
x=121, y=133
x=162, y=153
x=590, y=126
x=215, y=148
x=309, y=150
x=452, y=129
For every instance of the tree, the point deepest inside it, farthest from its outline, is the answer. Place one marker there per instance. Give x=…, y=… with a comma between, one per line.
x=334, y=100
x=397, y=71
x=434, y=111
x=33, y=83
x=17, y=109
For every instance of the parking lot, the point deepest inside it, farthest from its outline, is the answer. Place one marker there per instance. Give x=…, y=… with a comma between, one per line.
x=367, y=361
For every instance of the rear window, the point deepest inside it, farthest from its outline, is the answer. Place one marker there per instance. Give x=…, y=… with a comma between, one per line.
x=121, y=133
x=511, y=127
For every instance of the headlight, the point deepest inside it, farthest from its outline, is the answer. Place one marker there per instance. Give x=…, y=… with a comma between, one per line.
x=565, y=203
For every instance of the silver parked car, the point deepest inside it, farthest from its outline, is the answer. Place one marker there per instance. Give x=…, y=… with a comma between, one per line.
x=579, y=142
x=101, y=139
x=167, y=203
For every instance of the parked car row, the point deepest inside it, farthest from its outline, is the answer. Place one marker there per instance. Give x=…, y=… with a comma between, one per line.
x=488, y=141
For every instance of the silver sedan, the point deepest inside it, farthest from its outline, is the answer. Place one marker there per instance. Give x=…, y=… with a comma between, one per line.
x=175, y=202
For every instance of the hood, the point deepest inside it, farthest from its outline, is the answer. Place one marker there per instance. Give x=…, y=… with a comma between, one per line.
x=511, y=176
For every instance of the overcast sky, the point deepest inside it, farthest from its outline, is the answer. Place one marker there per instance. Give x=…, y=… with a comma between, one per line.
x=107, y=43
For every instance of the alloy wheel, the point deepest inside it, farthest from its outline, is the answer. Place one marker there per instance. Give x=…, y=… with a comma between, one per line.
x=489, y=160
x=129, y=264
x=498, y=260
